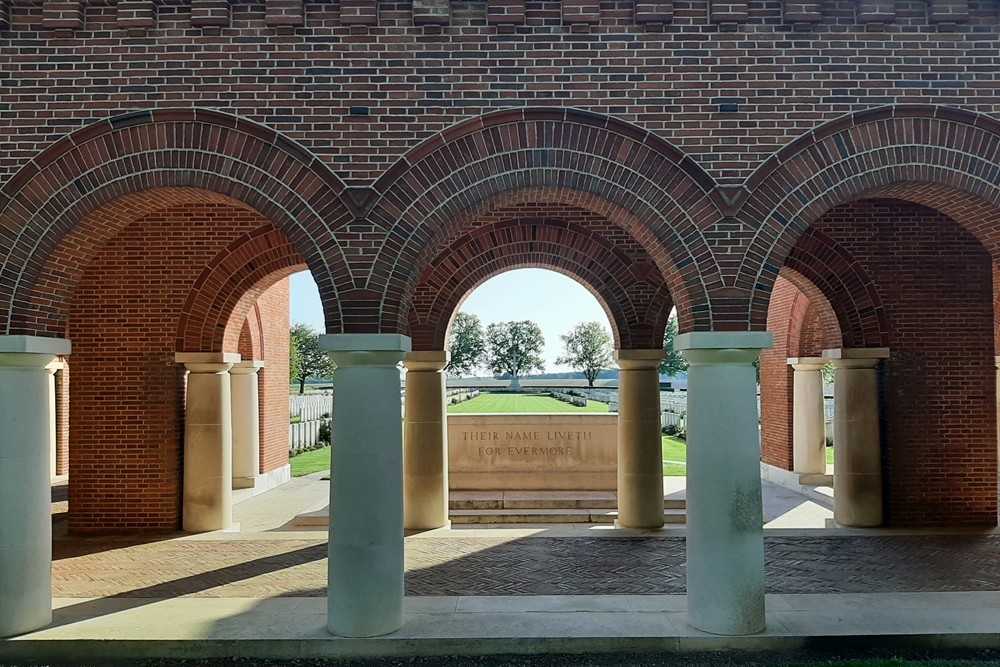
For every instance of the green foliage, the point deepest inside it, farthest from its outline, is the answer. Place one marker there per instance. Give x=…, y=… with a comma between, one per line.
x=325, y=434
x=294, y=360
x=467, y=345
x=587, y=348
x=674, y=363
x=313, y=362
x=828, y=372
x=676, y=431
x=514, y=348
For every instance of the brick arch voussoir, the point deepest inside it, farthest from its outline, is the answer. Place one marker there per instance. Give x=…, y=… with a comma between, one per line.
x=632, y=293
x=910, y=151
x=820, y=305
x=683, y=283
x=844, y=283
x=422, y=200
x=433, y=334
x=170, y=148
x=228, y=287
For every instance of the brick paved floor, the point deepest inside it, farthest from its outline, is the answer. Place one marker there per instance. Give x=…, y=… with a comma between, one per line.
x=519, y=566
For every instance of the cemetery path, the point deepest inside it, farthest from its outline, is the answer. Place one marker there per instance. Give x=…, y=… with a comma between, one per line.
x=456, y=565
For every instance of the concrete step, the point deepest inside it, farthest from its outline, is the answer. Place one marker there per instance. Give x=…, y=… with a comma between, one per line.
x=670, y=516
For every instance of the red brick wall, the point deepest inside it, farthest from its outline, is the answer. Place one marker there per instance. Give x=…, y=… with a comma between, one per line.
x=273, y=378
x=418, y=81
x=126, y=403
x=935, y=281
x=784, y=320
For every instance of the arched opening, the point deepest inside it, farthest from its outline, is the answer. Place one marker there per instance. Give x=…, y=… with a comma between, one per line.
x=912, y=286
x=198, y=273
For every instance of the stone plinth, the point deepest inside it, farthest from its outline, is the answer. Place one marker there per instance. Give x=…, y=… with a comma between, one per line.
x=557, y=452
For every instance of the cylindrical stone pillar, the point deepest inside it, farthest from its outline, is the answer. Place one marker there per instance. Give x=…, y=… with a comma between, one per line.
x=425, y=442
x=725, y=527
x=26, y=420
x=52, y=369
x=246, y=422
x=208, y=441
x=857, y=446
x=808, y=416
x=640, y=449
x=365, y=574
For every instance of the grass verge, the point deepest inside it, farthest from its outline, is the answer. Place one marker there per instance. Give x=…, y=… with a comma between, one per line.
x=307, y=463
x=515, y=403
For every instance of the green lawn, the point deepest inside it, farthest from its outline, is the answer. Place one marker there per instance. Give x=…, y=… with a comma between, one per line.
x=675, y=451
x=508, y=403
x=829, y=455
x=315, y=461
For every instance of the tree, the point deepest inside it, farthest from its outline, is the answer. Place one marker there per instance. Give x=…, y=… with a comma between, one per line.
x=587, y=348
x=313, y=362
x=514, y=348
x=674, y=363
x=467, y=345
x=294, y=360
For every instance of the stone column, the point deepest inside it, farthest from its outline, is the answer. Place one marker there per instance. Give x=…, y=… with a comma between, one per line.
x=52, y=369
x=246, y=423
x=640, y=450
x=26, y=420
x=808, y=416
x=725, y=527
x=62, y=419
x=365, y=574
x=208, y=441
x=425, y=442
x=857, y=445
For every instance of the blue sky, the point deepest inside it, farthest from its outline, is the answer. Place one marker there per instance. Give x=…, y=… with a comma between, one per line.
x=550, y=299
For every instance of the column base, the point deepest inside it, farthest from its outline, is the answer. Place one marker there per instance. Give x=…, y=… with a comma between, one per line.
x=258, y=484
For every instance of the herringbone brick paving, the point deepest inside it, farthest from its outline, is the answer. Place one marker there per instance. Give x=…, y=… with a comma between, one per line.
x=520, y=566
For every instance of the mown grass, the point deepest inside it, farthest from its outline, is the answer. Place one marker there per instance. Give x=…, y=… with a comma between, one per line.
x=675, y=452
x=307, y=463
x=515, y=403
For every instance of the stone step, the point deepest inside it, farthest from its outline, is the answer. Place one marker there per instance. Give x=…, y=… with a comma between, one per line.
x=670, y=516
x=815, y=479
x=543, y=500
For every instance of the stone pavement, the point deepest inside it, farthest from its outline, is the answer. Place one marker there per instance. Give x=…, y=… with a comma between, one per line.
x=507, y=565
x=260, y=591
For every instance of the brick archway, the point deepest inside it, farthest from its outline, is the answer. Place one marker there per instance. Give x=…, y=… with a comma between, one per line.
x=223, y=295
x=107, y=162
x=649, y=189
x=632, y=293
x=939, y=157
x=804, y=323
x=818, y=263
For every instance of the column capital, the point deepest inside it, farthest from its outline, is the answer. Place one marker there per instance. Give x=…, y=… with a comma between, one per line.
x=207, y=362
x=248, y=367
x=31, y=351
x=808, y=363
x=722, y=347
x=365, y=349
x=426, y=361
x=635, y=360
x=856, y=357
x=719, y=340
x=56, y=347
